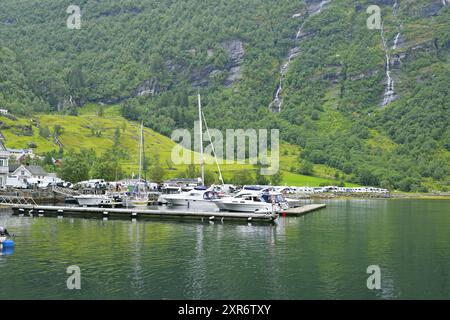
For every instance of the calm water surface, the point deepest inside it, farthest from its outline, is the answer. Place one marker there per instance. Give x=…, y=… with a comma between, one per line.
x=323, y=255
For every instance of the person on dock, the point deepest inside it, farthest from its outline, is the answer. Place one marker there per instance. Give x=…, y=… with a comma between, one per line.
x=4, y=232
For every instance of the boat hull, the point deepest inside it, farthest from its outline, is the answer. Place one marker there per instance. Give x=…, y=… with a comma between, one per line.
x=93, y=201
x=243, y=207
x=184, y=201
x=139, y=203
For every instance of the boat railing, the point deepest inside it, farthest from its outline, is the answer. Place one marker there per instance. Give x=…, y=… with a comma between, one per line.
x=15, y=200
x=65, y=191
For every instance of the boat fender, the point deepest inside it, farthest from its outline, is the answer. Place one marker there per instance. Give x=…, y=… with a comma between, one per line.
x=8, y=243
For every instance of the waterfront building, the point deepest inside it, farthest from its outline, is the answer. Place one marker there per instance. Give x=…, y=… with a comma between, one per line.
x=4, y=159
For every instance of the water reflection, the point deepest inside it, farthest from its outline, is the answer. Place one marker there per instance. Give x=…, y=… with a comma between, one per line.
x=322, y=255
x=6, y=251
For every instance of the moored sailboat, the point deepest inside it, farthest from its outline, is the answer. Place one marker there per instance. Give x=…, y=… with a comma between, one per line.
x=139, y=197
x=198, y=195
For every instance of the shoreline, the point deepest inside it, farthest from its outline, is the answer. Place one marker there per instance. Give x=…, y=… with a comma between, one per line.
x=392, y=196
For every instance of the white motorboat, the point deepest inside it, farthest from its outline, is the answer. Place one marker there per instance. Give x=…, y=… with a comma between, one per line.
x=94, y=200
x=198, y=195
x=293, y=203
x=252, y=202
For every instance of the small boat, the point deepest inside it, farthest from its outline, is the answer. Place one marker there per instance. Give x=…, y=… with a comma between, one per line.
x=93, y=200
x=198, y=195
x=171, y=190
x=139, y=198
x=5, y=242
x=137, y=201
x=6, y=246
x=252, y=202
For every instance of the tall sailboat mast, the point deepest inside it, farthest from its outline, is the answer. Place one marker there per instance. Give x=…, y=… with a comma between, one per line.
x=140, y=151
x=202, y=164
x=213, y=150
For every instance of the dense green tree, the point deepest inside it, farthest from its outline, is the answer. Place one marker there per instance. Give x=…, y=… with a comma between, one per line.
x=210, y=178
x=368, y=178
x=57, y=130
x=74, y=168
x=261, y=179
x=276, y=178
x=106, y=167
x=157, y=172
x=191, y=172
x=242, y=177
x=306, y=168
x=44, y=131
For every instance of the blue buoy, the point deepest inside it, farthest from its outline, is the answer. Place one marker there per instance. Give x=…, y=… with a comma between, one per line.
x=8, y=243
x=7, y=251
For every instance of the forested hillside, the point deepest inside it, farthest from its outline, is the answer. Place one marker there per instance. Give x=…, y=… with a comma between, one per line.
x=373, y=104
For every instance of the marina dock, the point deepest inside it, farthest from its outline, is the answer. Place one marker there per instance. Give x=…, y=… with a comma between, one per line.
x=300, y=211
x=136, y=213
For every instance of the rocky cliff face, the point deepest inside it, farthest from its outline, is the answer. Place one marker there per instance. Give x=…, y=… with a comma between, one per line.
x=115, y=12
x=236, y=52
x=231, y=72
x=147, y=88
x=431, y=9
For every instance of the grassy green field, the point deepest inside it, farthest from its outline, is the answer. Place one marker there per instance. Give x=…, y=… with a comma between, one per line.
x=78, y=134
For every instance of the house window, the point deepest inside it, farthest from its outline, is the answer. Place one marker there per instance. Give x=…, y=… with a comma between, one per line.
x=22, y=172
x=2, y=162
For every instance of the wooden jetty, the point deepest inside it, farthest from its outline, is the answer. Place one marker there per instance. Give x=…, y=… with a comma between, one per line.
x=300, y=211
x=133, y=213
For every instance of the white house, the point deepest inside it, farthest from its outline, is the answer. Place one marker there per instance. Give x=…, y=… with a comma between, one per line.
x=3, y=111
x=4, y=158
x=20, y=175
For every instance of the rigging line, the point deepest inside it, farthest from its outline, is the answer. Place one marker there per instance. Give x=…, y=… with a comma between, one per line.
x=213, y=149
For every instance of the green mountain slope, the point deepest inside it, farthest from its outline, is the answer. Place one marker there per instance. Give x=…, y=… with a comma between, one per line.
x=90, y=131
x=151, y=58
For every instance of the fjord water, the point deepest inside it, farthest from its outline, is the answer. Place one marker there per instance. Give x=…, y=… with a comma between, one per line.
x=323, y=255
